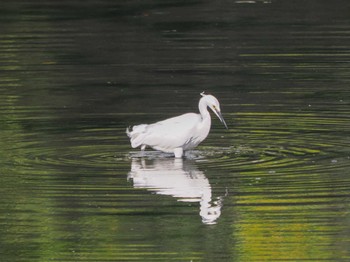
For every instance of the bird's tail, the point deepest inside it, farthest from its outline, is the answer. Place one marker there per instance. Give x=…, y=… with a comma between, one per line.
x=136, y=134
x=128, y=132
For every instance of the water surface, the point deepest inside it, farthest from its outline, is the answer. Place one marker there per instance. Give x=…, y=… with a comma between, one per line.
x=274, y=187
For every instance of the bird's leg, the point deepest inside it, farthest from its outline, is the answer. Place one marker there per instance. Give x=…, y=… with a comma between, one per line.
x=178, y=152
x=143, y=147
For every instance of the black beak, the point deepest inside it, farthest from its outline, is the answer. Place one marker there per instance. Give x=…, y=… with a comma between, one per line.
x=218, y=113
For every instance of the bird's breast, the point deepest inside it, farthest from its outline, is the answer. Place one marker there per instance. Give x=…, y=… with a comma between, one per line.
x=199, y=134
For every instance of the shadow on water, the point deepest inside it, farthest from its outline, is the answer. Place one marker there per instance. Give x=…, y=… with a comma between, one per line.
x=180, y=179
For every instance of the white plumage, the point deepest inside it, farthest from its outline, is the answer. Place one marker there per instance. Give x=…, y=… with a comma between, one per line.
x=177, y=134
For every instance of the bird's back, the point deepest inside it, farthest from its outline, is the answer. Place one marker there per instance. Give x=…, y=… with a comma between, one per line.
x=180, y=131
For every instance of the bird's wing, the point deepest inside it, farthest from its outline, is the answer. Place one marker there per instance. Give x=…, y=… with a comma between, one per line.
x=171, y=133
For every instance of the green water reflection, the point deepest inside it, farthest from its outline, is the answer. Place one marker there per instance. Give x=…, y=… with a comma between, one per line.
x=274, y=187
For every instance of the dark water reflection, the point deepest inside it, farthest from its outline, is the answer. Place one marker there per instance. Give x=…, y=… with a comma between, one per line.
x=275, y=186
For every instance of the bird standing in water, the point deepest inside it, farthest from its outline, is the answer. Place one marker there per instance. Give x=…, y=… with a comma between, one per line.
x=177, y=134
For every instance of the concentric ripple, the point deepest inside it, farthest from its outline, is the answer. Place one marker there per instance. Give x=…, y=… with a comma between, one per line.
x=55, y=151
x=260, y=142
x=280, y=141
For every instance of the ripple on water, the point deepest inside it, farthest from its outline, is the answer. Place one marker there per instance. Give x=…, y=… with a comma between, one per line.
x=268, y=143
x=38, y=150
x=286, y=140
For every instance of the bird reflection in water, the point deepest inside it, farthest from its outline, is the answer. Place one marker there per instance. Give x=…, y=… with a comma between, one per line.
x=177, y=178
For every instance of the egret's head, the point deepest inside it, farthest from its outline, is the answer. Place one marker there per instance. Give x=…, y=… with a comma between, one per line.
x=214, y=105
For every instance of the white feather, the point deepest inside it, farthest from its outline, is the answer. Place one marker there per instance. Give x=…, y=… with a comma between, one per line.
x=182, y=132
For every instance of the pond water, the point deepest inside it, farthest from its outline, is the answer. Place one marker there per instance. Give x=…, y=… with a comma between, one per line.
x=275, y=186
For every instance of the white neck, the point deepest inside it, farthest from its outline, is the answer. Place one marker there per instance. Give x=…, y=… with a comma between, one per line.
x=203, y=109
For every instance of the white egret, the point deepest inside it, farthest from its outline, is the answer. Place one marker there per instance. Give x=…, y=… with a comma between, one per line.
x=177, y=134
